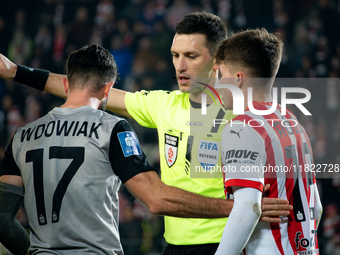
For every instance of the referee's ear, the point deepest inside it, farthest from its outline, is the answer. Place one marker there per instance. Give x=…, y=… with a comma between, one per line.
x=66, y=85
x=216, y=67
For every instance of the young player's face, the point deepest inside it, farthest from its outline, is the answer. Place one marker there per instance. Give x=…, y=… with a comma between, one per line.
x=227, y=77
x=191, y=59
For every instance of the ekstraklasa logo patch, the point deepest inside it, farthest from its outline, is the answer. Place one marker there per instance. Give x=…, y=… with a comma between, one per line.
x=129, y=143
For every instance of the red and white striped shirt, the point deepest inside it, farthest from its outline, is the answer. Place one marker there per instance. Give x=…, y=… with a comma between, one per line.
x=274, y=149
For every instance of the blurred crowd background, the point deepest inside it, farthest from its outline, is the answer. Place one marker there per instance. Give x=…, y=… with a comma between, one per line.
x=139, y=34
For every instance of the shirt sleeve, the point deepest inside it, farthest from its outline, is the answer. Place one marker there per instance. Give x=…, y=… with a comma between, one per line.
x=9, y=166
x=243, y=157
x=126, y=155
x=12, y=235
x=241, y=222
x=143, y=106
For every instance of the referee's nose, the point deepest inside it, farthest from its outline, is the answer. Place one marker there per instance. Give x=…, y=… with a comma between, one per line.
x=180, y=64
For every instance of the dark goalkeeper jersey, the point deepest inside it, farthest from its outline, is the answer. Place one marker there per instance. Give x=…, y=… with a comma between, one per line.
x=73, y=162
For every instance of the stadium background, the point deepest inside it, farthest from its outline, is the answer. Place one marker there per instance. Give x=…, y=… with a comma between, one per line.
x=139, y=34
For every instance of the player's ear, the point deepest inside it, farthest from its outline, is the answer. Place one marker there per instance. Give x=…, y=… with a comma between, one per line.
x=107, y=88
x=66, y=85
x=240, y=79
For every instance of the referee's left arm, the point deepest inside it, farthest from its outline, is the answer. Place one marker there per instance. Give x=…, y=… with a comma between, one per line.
x=167, y=200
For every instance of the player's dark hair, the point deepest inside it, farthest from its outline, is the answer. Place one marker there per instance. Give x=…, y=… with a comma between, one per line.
x=91, y=63
x=256, y=50
x=206, y=24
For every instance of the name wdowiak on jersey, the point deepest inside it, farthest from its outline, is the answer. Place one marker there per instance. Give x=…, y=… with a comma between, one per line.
x=61, y=128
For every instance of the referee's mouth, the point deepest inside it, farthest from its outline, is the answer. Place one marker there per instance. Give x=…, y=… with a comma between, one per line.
x=183, y=79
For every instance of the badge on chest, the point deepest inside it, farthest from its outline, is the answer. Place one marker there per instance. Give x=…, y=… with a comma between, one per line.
x=171, y=148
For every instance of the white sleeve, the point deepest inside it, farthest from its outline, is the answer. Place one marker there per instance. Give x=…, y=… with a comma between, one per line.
x=242, y=221
x=243, y=156
x=318, y=205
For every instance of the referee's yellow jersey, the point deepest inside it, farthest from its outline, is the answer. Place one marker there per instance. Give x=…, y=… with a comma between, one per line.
x=188, y=145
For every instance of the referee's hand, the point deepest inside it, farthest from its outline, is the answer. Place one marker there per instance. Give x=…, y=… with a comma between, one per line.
x=274, y=208
x=7, y=68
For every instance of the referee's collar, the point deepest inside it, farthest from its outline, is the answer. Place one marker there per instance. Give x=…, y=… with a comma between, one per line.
x=196, y=105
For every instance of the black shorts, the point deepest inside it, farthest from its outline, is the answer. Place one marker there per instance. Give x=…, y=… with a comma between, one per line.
x=199, y=249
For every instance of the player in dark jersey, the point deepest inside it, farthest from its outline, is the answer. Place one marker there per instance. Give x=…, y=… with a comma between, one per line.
x=68, y=167
x=195, y=42
x=254, y=144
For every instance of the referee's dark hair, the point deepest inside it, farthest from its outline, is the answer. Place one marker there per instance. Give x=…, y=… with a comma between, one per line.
x=206, y=24
x=91, y=65
x=255, y=50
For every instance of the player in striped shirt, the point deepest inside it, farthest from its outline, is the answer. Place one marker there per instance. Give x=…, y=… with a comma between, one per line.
x=195, y=42
x=262, y=149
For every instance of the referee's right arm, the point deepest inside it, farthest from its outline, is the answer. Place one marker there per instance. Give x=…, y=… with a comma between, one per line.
x=116, y=102
x=54, y=84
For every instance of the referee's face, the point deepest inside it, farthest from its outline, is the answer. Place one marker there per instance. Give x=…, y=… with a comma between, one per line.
x=191, y=59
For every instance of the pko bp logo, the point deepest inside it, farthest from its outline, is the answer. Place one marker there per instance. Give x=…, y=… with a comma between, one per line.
x=208, y=153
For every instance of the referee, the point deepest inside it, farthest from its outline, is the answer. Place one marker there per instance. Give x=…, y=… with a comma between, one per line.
x=195, y=43
x=68, y=166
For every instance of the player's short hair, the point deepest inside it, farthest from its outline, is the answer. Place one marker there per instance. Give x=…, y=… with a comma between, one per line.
x=255, y=50
x=91, y=65
x=204, y=23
